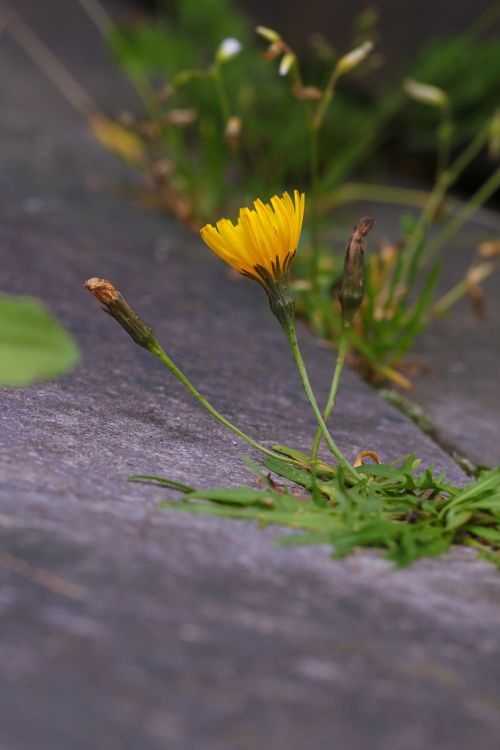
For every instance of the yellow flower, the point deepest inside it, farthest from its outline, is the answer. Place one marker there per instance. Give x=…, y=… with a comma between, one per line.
x=263, y=242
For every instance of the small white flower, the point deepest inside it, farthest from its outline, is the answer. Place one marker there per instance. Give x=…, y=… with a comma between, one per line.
x=228, y=48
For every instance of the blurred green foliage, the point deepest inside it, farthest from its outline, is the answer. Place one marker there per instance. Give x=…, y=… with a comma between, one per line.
x=470, y=75
x=178, y=48
x=33, y=345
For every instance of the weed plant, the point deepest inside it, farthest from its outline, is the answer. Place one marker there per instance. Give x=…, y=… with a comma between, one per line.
x=396, y=507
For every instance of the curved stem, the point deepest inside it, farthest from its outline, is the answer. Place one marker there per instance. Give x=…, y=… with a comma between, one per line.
x=339, y=366
x=158, y=352
x=291, y=334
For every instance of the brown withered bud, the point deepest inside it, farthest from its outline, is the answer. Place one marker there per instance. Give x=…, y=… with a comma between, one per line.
x=274, y=50
x=352, y=286
x=306, y=93
x=114, y=304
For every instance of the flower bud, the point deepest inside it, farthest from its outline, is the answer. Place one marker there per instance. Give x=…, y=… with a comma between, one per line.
x=269, y=34
x=114, y=304
x=426, y=94
x=352, y=286
x=353, y=58
x=286, y=63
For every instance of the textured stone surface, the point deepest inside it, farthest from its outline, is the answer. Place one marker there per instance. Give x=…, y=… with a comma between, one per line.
x=193, y=633
x=460, y=356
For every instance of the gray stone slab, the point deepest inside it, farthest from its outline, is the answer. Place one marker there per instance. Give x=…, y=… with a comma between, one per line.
x=460, y=358
x=194, y=633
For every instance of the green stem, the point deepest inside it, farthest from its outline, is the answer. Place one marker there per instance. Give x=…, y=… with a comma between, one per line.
x=352, y=192
x=315, y=124
x=436, y=197
x=291, y=334
x=221, y=92
x=339, y=366
x=314, y=207
x=460, y=290
x=463, y=215
x=158, y=352
x=322, y=108
x=443, y=142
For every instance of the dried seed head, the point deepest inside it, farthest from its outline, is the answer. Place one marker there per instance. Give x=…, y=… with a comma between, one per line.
x=114, y=304
x=103, y=290
x=352, y=286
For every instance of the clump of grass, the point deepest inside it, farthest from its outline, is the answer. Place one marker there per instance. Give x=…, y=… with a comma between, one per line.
x=397, y=508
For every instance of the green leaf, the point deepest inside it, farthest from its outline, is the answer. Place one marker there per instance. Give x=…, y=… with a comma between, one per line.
x=288, y=471
x=33, y=345
x=236, y=496
x=164, y=481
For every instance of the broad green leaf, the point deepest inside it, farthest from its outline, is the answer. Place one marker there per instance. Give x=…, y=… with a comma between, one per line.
x=33, y=345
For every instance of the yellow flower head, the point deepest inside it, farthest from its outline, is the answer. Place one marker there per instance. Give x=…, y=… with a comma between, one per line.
x=263, y=242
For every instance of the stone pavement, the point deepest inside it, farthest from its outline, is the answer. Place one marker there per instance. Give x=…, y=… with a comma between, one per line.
x=188, y=633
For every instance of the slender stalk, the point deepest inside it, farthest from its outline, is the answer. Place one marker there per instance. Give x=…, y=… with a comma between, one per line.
x=447, y=178
x=463, y=215
x=325, y=100
x=160, y=353
x=291, y=334
x=339, y=366
x=443, y=142
x=359, y=191
x=221, y=92
x=461, y=289
x=314, y=206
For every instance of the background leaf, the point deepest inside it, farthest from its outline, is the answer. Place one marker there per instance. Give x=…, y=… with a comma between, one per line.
x=33, y=345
